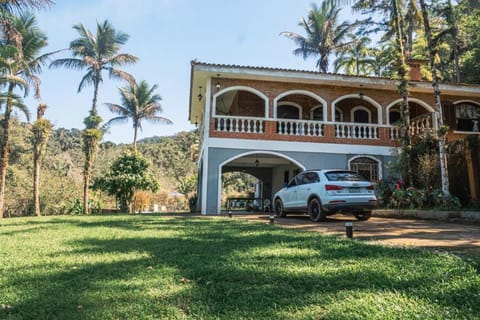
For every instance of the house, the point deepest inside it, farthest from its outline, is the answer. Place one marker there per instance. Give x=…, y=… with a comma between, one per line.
x=273, y=123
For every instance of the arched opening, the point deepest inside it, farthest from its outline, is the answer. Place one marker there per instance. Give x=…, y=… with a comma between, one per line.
x=367, y=166
x=357, y=109
x=249, y=181
x=240, y=102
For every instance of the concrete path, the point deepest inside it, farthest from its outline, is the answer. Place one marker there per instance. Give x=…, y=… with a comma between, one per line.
x=459, y=237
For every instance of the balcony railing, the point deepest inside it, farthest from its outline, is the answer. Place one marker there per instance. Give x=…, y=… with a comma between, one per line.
x=314, y=129
x=239, y=124
x=356, y=130
x=306, y=128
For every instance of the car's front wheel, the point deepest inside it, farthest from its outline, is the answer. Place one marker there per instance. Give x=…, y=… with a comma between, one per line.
x=279, y=209
x=315, y=211
x=363, y=216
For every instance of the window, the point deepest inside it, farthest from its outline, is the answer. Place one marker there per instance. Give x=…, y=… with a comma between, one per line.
x=288, y=112
x=317, y=114
x=366, y=167
x=361, y=114
x=467, y=117
x=338, y=115
x=394, y=117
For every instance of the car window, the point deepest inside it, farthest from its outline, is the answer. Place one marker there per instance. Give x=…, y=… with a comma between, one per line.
x=310, y=177
x=292, y=183
x=344, y=176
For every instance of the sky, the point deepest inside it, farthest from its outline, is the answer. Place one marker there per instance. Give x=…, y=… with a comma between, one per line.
x=166, y=35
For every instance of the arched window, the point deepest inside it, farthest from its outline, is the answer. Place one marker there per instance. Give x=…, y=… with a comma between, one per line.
x=367, y=167
x=394, y=117
x=361, y=114
x=288, y=111
x=317, y=114
x=338, y=115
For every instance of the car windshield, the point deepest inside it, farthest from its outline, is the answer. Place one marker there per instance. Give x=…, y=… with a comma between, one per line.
x=344, y=176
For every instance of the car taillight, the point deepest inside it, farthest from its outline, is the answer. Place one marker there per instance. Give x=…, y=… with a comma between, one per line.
x=370, y=187
x=330, y=187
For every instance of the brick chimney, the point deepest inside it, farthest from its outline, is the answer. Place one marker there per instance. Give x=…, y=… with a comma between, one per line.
x=415, y=65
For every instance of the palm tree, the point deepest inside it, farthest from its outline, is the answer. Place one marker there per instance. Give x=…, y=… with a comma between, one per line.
x=324, y=34
x=96, y=54
x=356, y=58
x=139, y=102
x=19, y=68
x=41, y=129
x=438, y=102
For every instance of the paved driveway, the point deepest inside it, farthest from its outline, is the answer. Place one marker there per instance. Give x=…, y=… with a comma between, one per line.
x=459, y=237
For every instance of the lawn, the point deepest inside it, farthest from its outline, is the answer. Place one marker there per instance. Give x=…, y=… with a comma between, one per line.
x=185, y=267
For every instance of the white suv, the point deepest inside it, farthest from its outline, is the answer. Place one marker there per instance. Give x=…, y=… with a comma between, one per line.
x=324, y=192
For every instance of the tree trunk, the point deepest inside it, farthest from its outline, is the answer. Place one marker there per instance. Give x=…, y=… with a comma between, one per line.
x=403, y=90
x=36, y=183
x=90, y=146
x=438, y=103
x=4, y=145
x=135, y=139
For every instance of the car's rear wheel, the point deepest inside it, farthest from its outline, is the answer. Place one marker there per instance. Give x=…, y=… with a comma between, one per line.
x=279, y=209
x=363, y=216
x=315, y=211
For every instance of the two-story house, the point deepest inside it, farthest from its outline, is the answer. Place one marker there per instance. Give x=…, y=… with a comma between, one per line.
x=273, y=123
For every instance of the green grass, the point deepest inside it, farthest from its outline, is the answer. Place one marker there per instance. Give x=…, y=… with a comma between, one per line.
x=174, y=267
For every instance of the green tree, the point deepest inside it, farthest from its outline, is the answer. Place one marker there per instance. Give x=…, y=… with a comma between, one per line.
x=96, y=54
x=41, y=129
x=356, y=58
x=128, y=174
x=324, y=34
x=139, y=102
x=19, y=67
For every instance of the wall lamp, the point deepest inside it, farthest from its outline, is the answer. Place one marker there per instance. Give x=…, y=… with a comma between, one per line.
x=200, y=96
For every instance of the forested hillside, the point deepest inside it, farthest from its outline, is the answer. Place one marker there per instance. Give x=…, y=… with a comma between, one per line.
x=172, y=163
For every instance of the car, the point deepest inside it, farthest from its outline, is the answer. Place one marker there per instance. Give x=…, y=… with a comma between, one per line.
x=324, y=192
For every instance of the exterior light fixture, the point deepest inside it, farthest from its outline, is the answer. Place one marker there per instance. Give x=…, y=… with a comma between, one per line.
x=217, y=86
x=257, y=163
x=200, y=96
x=361, y=94
x=196, y=120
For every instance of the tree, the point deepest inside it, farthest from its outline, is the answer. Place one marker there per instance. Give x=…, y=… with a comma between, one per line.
x=356, y=58
x=128, y=174
x=139, y=102
x=41, y=129
x=438, y=103
x=324, y=34
x=96, y=54
x=19, y=68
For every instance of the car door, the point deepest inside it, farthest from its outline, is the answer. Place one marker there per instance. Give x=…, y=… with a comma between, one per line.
x=305, y=189
x=289, y=195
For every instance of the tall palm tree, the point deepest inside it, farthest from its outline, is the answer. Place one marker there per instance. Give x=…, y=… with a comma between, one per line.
x=96, y=53
x=139, y=102
x=438, y=102
x=18, y=70
x=324, y=34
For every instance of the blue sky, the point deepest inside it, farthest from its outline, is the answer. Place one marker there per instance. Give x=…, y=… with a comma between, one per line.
x=166, y=35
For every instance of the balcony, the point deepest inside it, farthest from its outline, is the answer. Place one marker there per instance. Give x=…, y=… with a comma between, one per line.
x=308, y=130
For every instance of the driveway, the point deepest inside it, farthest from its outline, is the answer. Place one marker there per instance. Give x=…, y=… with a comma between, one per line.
x=455, y=236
